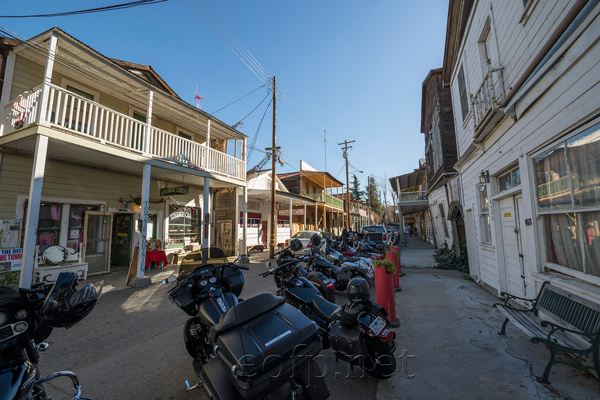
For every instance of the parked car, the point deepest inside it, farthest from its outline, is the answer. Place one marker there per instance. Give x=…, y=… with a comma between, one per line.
x=304, y=237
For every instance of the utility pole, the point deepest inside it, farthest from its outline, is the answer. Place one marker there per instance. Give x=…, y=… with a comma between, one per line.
x=345, y=154
x=273, y=173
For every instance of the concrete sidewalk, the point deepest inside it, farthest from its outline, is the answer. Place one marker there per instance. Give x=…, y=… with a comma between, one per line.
x=449, y=347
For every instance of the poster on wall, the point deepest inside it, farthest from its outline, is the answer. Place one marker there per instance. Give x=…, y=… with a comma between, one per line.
x=10, y=259
x=10, y=232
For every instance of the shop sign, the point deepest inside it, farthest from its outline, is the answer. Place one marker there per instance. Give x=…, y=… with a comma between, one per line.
x=253, y=205
x=180, y=214
x=10, y=259
x=299, y=211
x=174, y=191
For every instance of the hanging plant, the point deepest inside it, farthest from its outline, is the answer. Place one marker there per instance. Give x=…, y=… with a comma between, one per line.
x=389, y=267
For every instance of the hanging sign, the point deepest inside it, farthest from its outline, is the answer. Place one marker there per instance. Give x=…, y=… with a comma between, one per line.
x=174, y=191
x=253, y=205
x=299, y=211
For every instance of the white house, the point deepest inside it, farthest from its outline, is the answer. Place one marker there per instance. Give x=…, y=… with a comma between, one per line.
x=525, y=83
x=100, y=155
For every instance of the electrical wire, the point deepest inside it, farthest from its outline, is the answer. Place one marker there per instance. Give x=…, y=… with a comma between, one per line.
x=257, y=130
x=90, y=10
x=243, y=97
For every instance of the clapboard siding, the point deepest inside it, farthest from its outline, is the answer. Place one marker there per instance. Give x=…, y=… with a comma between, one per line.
x=27, y=75
x=561, y=100
x=63, y=180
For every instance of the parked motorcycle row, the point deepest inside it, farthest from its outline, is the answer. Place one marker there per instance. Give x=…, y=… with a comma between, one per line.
x=264, y=347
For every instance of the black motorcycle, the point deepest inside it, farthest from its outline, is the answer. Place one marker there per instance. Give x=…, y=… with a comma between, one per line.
x=325, y=284
x=341, y=275
x=27, y=317
x=358, y=332
x=259, y=348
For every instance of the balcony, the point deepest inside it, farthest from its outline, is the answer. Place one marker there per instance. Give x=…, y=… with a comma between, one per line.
x=411, y=202
x=485, y=102
x=69, y=112
x=327, y=199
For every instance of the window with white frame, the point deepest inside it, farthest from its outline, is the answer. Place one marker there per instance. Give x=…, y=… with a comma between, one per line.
x=462, y=92
x=484, y=211
x=567, y=179
x=509, y=179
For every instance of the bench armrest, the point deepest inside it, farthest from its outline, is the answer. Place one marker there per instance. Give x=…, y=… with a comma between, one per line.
x=554, y=327
x=509, y=297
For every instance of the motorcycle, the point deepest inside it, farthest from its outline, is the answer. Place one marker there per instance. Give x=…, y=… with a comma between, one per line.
x=340, y=274
x=259, y=348
x=325, y=285
x=359, y=332
x=27, y=318
x=331, y=253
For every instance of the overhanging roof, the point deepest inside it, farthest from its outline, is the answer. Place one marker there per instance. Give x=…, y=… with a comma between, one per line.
x=411, y=180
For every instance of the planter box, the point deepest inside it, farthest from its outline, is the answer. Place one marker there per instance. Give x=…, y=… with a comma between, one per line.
x=49, y=273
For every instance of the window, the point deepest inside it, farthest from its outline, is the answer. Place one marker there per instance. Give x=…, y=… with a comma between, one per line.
x=486, y=229
x=462, y=92
x=184, y=227
x=567, y=178
x=184, y=135
x=307, y=188
x=443, y=219
x=509, y=180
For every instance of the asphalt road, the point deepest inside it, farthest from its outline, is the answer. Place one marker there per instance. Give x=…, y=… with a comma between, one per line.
x=131, y=347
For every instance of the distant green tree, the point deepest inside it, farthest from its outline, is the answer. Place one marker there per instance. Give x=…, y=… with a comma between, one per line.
x=373, y=199
x=357, y=194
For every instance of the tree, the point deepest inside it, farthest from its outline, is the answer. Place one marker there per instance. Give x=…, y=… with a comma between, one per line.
x=373, y=196
x=357, y=194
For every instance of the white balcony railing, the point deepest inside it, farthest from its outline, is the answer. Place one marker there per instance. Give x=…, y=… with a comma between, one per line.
x=406, y=197
x=487, y=98
x=73, y=113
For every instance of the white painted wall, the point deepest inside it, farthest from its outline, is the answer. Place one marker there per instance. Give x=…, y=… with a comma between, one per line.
x=563, y=99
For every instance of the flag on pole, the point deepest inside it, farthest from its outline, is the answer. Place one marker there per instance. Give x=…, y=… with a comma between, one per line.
x=197, y=97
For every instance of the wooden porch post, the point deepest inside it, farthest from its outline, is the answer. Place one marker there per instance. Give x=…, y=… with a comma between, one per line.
x=148, y=123
x=206, y=220
x=291, y=218
x=304, y=227
x=144, y=217
x=245, y=222
x=33, y=210
x=47, y=79
x=317, y=216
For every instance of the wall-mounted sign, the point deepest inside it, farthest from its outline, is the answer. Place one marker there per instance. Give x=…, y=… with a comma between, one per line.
x=299, y=211
x=253, y=205
x=10, y=259
x=507, y=215
x=174, y=191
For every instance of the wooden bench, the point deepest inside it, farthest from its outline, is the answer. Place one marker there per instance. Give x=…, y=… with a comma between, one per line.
x=576, y=331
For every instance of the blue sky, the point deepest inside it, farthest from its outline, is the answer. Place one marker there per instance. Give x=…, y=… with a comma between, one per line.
x=350, y=67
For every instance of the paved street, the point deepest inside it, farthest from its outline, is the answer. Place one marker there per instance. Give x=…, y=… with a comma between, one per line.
x=131, y=346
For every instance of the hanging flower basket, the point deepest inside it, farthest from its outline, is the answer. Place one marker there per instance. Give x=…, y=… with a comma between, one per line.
x=389, y=267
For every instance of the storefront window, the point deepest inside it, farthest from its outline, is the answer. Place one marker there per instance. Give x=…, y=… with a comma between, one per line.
x=184, y=227
x=568, y=177
x=48, y=231
x=75, y=226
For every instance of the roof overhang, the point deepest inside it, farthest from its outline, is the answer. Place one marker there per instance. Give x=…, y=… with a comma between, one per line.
x=410, y=180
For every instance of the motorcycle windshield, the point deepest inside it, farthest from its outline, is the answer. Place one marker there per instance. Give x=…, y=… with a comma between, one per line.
x=193, y=260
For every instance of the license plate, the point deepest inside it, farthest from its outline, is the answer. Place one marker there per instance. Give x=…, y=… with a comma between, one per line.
x=377, y=326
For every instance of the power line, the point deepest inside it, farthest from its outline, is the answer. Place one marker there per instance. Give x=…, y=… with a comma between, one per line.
x=90, y=10
x=258, y=129
x=243, y=97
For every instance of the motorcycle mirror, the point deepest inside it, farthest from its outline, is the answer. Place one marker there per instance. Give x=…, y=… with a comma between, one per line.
x=170, y=279
x=268, y=264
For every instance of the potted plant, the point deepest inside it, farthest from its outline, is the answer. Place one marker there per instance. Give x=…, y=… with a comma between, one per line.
x=390, y=268
x=10, y=279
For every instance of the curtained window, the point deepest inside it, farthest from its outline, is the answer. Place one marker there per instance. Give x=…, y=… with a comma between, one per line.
x=568, y=180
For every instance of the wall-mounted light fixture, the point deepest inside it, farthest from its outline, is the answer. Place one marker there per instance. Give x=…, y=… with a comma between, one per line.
x=484, y=177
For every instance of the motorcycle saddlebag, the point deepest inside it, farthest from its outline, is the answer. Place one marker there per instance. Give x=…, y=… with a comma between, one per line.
x=233, y=280
x=346, y=342
x=268, y=350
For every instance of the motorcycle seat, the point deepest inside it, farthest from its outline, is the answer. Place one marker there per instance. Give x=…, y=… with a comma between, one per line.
x=246, y=311
x=328, y=311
